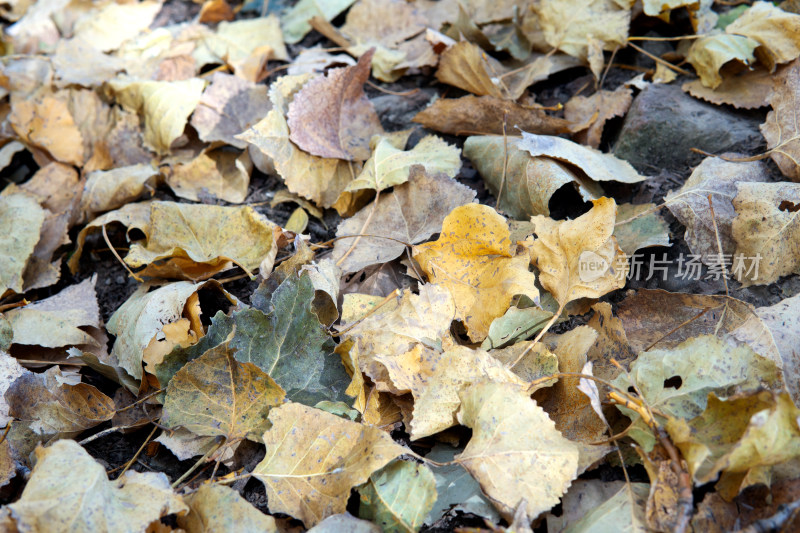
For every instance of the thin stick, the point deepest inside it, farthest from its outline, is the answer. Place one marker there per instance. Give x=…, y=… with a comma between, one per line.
x=6, y=307
x=142, y=399
x=198, y=463
x=393, y=93
x=5, y=433
x=659, y=60
x=608, y=67
x=369, y=313
x=538, y=337
x=505, y=161
x=232, y=479
x=113, y=251
x=679, y=38
x=326, y=244
x=679, y=326
x=719, y=246
x=138, y=452
x=363, y=228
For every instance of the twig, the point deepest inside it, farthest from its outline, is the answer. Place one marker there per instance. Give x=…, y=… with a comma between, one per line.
x=679, y=38
x=776, y=522
x=199, y=462
x=659, y=60
x=142, y=399
x=368, y=313
x=719, y=246
x=393, y=93
x=113, y=251
x=538, y=337
x=505, y=161
x=5, y=433
x=679, y=326
x=6, y=307
x=138, y=452
x=608, y=67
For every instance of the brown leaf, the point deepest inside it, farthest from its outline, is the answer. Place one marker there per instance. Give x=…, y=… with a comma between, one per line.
x=749, y=89
x=332, y=117
x=485, y=115
x=781, y=129
x=221, y=173
x=47, y=123
x=595, y=110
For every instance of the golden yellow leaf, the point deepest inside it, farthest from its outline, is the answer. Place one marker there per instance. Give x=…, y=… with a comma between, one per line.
x=46, y=122
x=568, y=24
x=315, y=458
x=246, y=45
x=710, y=52
x=515, y=453
x=217, y=395
x=217, y=508
x=473, y=260
x=776, y=30
x=218, y=173
x=580, y=258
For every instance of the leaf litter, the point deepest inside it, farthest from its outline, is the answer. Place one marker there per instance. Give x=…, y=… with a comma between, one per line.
x=373, y=265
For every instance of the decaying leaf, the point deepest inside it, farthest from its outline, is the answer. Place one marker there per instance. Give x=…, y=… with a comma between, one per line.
x=219, y=508
x=223, y=174
x=398, y=496
x=473, y=260
x=246, y=45
x=314, y=458
x=421, y=204
x=295, y=23
x=776, y=30
x=781, y=129
x=332, y=117
x=216, y=395
x=747, y=90
x=536, y=469
x=640, y=226
x=46, y=122
x=69, y=491
x=21, y=220
x=709, y=53
x=105, y=190
x=595, y=110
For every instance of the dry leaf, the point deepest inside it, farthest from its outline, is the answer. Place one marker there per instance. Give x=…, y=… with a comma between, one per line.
x=567, y=24
x=528, y=182
x=221, y=173
x=315, y=458
x=595, y=110
x=115, y=23
x=218, y=508
x=466, y=66
x=69, y=491
x=579, y=258
x=105, y=190
x=710, y=52
x=21, y=220
x=77, y=62
x=515, y=452
x=215, y=395
x=332, y=117
x=398, y=496
x=57, y=186
x=749, y=89
x=781, y=129
x=295, y=22
x=246, y=45
x=777, y=31
x=10, y=370
x=421, y=204
x=46, y=122
x=640, y=226
x=473, y=260
x=485, y=115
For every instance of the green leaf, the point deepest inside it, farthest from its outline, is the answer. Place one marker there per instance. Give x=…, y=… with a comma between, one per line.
x=398, y=496
x=624, y=511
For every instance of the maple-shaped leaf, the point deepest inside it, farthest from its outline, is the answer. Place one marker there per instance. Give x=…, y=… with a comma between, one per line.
x=579, y=258
x=220, y=508
x=389, y=165
x=165, y=105
x=781, y=129
x=775, y=30
x=484, y=115
x=473, y=260
x=421, y=204
x=69, y=491
x=398, y=496
x=527, y=182
x=710, y=52
x=217, y=395
x=515, y=453
x=315, y=458
x=332, y=117
x=57, y=404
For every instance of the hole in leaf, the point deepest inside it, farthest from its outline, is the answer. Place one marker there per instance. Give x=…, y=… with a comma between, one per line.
x=674, y=382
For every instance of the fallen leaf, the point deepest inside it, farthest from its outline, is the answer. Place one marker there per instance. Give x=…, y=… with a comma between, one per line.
x=315, y=458
x=597, y=165
x=332, y=117
x=485, y=115
x=717, y=178
x=464, y=65
x=536, y=469
x=113, y=24
x=749, y=89
x=295, y=22
x=223, y=174
x=316, y=60
x=398, y=496
x=389, y=165
x=344, y=522
x=69, y=491
x=105, y=190
x=10, y=370
x=228, y=107
x=579, y=258
x=52, y=406
x=764, y=230
x=473, y=260
x=246, y=45
x=710, y=52
x=215, y=395
x=421, y=204
x=165, y=105
x=46, y=122
x=78, y=62
x=775, y=30
x=528, y=182
x=640, y=226
x=515, y=325
x=594, y=110
x=21, y=220
x=219, y=508
x=781, y=129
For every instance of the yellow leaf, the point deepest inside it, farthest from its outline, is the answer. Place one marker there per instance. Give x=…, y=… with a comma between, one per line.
x=569, y=24
x=472, y=259
x=246, y=45
x=47, y=123
x=315, y=458
x=710, y=52
x=219, y=173
x=515, y=453
x=776, y=30
x=579, y=258
x=112, y=25
x=105, y=190
x=217, y=508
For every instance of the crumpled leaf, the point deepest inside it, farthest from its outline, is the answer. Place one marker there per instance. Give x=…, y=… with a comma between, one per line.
x=105, y=190
x=484, y=115
x=315, y=458
x=579, y=258
x=165, y=105
x=69, y=491
x=640, y=226
x=216, y=395
x=530, y=182
x=710, y=52
x=21, y=220
x=515, y=452
x=594, y=110
x=421, y=204
x=246, y=45
x=398, y=496
x=295, y=23
x=56, y=404
x=389, y=165
x=223, y=174
x=473, y=260
x=775, y=30
x=781, y=129
x=689, y=204
x=597, y=165
x=765, y=230
x=229, y=106
x=218, y=508
x=332, y=117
